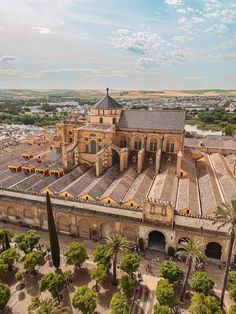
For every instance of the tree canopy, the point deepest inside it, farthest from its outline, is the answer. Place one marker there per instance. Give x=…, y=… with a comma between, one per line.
x=165, y=293
x=130, y=263
x=119, y=304
x=161, y=309
x=126, y=284
x=76, y=254
x=33, y=259
x=52, y=282
x=9, y=256
x=27, y=241
x=84, y=300
x=5, y=295
x=101, y=256
x=99, y=274
x=171, y=271
x=201, y=282
x=202, y=304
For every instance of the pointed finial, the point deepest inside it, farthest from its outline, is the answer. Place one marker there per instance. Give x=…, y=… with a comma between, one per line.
x=107, y=91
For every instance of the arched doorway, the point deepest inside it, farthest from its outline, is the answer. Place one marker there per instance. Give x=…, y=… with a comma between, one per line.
x=106, y=230
x=63, y=225
x=156, y=241
x=213, y=250
x=93, y=147
x=115, y=157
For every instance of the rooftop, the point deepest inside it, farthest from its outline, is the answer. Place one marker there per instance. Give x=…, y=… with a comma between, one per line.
x=152, y=120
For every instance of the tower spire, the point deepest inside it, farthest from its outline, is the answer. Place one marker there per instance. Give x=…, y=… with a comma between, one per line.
x=107, y=91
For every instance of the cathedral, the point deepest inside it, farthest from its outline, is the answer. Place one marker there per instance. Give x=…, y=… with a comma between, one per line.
x=128, y=172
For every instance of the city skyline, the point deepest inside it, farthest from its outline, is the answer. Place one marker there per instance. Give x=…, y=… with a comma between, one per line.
x=164, y=44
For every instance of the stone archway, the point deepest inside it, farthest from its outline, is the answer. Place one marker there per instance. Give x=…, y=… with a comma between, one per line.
x=130, y=234
x=12, y=215
x=106, y=230
x=84, y=228
x=213, y=250
x=44, y=221
x=156, y=241
x=63, y=225
x=28, y=216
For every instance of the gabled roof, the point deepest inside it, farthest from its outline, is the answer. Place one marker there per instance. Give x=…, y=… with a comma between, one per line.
x=107, y=103
x=152, y=120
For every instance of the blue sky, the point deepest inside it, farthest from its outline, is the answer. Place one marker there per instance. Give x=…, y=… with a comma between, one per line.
x=123, y=44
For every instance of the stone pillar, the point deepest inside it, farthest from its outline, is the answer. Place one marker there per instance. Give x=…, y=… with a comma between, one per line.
x=179, y=159
x=158, y=161
x=122, y=160
x=73, y=225
x=141, y=154
x=117, y=227
x=64, y=156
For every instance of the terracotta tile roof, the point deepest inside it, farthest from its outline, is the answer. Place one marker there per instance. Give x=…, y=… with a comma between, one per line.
x=152, y=120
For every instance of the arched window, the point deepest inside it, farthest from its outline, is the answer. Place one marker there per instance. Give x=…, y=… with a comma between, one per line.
x=100, y=120
x=114, y=120
x=93, y=147
x=137, y=144
x=170, y=147
x=123, y=141
x=153, y=145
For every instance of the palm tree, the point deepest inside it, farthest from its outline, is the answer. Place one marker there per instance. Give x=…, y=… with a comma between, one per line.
x=115, y=245
x=192, y=250
x=47, y=306
x=226, y=216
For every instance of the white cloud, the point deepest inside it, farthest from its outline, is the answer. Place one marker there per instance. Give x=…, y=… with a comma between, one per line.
x=192, y=78
x=145, y=61
x=8, y=59
x=217, y=29
x=181, y=38
x=182, y=20
x=173, y=2
x=42, y=30
x=197, y=20
x=141, y=41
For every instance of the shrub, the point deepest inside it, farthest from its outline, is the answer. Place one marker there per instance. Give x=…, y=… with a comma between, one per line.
x=171, y=271
x=76, y=254
x=165, y=293
x=201, y=282
x=19, y=275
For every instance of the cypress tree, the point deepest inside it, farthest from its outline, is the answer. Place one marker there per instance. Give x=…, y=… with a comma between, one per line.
x=54, y=243
x=7, y=242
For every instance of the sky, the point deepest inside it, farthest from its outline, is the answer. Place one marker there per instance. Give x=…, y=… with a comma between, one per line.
x=120, y=44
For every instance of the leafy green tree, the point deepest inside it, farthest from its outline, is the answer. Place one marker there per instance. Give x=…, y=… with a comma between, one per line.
x=99, y=274
x=52, y=282
x=130, y=263
x=27, y=241
x=9, y=257
x=54, y=243
x=201, y=282
x=192, y=250
x=226, y=216
x=101, y=256
x=47, y=306
x=165, y=293
x=119, y=304
x=5, y=295
x=115, y=245
x=84, y=300
x=33, y=259
x=161, y=309
x=3, y=268
x=5, y=238
x=202, y=304
x=232, y=309
x=170, y=251
x=171, y=271
x=126, y=284
x=231, y=278
x=76, y=254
